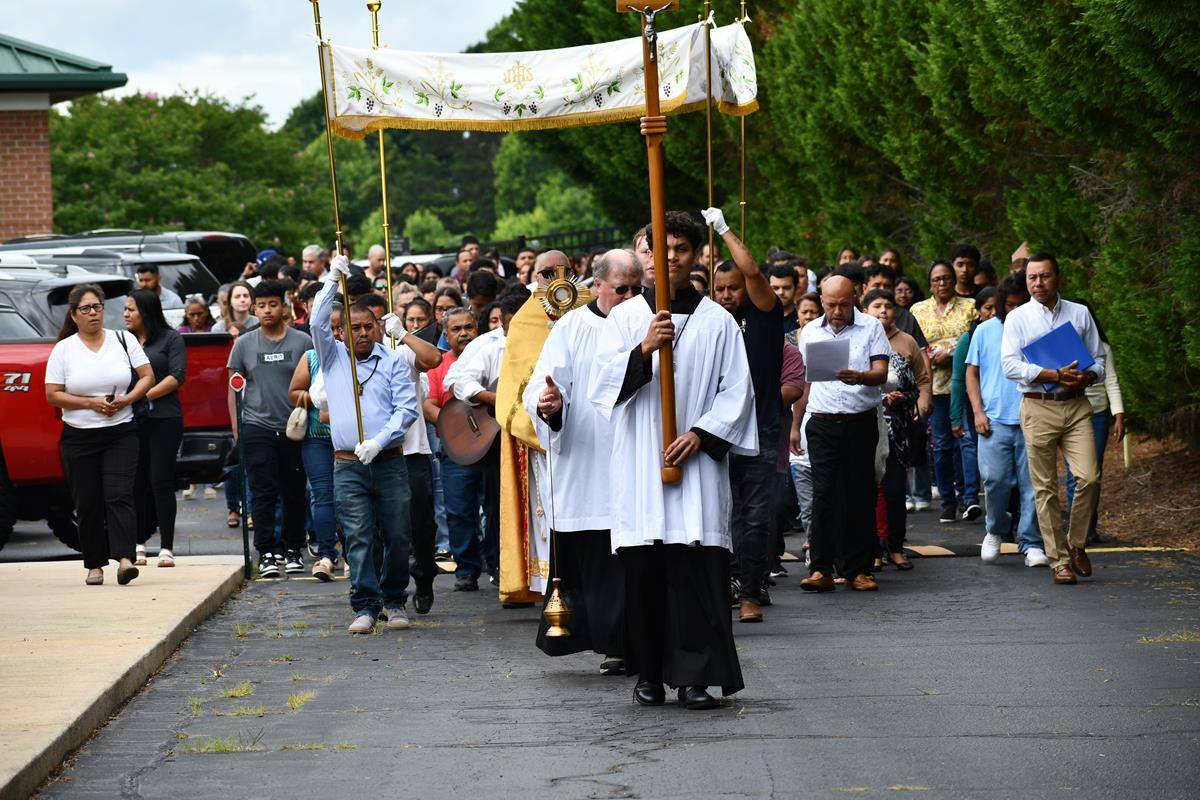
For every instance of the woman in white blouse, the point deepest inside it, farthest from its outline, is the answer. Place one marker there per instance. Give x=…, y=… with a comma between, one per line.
x=96, y=376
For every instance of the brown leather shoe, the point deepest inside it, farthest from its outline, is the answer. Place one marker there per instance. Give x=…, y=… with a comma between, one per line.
x=863, y=582
x=1081, y=565
x=750, y=612
x=1063, y=575
x=817, y=582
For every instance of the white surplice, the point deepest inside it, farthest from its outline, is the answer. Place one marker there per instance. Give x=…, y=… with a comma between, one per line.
x=713, y=392
x=579, y=452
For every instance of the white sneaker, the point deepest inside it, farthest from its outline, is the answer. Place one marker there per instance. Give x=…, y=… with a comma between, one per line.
x=989, y=551
x=910, y=506
x=934, y=493
x=1036, y=557
x=363, y=623
x=210, y=493
x=920, y=505
x=189, y=493
x=397, y=620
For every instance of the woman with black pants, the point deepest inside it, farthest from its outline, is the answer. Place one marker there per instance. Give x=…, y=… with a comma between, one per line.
x=95, y=375
x=160, y=424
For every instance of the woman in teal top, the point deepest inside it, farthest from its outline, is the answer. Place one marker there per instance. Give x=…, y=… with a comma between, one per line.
x=962, y=424
x=317, y=453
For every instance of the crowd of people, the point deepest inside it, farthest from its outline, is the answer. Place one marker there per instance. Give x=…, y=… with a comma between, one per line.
x=833, y=401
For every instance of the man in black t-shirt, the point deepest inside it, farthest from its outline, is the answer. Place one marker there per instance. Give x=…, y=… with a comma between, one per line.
x=784, y=283
x=743, y=290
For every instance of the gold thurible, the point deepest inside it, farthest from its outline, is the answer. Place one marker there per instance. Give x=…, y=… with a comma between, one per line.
x=373, y=6
x=337, y=220
x=556, y=612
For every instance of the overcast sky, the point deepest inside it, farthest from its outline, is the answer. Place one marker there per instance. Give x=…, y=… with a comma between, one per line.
x=237, y=48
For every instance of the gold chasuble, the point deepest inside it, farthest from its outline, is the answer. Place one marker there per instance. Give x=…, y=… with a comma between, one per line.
x=524, y=556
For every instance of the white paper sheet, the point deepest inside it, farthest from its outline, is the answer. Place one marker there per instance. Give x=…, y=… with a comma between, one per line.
x=825, y=359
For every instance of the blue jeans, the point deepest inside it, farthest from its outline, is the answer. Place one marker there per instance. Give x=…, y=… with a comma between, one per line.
x=947, y=462
x=968, y=455
x=233, y=489
x=439, y=501
x=318, y=466
x=462, y=487
x=1004, y=468
x=1100, y=426
x=371, y=498
x=802, y=480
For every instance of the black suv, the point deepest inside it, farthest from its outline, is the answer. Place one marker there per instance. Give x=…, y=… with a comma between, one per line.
x=225, y=254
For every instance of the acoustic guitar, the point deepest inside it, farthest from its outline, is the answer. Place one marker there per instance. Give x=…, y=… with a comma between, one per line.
x=469, y=433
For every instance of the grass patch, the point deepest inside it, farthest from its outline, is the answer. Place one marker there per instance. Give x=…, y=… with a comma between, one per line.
x=345, y=746
x=304, y=746
x=242, y=743
x=295, y=701
x=282, y=660
x=273, y=633
x=194, y=704
x=1166, y=638
x=357, y=709
x=901, y=787
x=241, y=629
x=243, y=689
x=247, y=711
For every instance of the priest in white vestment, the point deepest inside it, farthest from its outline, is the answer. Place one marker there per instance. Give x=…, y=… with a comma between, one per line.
x=674, y=540
x=576, y=439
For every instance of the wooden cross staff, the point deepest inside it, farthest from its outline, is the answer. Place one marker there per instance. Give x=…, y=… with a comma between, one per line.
x=654, y=127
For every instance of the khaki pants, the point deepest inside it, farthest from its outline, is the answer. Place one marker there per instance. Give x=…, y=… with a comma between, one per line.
x=1049, y=425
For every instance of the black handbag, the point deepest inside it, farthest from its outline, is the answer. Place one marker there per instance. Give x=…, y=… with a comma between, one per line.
x=140, y=408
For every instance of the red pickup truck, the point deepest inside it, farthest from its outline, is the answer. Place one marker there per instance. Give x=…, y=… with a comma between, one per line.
x=32, y=484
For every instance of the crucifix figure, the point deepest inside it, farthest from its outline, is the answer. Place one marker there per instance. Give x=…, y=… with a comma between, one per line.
x=649, y=31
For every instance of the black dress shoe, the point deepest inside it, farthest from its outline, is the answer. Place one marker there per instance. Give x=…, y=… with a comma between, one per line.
x=649, y=694
x=423, y=598
x=612, y=665
x=696, y=698
x=466, y=585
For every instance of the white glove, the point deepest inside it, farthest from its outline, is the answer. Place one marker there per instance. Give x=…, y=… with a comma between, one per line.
x=716, y=218
x=339, y=268
x=317, y=393
x=366, y=451
x=393, y=326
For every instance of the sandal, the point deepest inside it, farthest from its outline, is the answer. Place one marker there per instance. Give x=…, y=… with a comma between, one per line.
x=233, y=520
x=139, y=557
x=165, y=558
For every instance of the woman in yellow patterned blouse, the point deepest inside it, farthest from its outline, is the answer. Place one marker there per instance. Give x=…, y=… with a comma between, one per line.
x=943, y=318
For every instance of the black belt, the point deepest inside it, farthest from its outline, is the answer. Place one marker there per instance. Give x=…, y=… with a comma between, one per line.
x=1075, y=394
x=843, y=417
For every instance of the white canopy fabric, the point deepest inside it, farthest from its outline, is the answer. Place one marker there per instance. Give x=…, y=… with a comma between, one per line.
x=587, y=85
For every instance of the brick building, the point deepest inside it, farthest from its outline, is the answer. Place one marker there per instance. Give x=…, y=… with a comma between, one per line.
x=33, y=78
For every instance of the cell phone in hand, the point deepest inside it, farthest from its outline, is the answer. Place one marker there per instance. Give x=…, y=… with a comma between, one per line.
x=111, y=396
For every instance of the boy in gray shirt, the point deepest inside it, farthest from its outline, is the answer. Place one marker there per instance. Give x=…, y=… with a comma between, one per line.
x=267, y=356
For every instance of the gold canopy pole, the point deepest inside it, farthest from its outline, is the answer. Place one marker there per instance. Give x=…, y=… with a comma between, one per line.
x=712, y=241
x=742, y=152
x=347, y=332
x=373, y=7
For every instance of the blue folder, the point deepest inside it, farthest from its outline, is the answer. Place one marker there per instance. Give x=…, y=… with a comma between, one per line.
x=1057, y=349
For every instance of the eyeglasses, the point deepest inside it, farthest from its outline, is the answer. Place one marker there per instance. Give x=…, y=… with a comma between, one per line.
x=624, y=290
x=92, y=308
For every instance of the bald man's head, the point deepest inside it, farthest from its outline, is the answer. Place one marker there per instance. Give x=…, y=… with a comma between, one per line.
x=837, y=298
x=546, y=267
x=617, y=263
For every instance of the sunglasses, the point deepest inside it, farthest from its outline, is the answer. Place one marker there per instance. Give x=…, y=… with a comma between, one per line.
x=381, y=287
x=93, y=308
x=548, y=274
x=624, y=290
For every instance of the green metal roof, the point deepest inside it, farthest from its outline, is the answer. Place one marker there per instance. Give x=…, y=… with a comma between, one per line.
x=29, y=67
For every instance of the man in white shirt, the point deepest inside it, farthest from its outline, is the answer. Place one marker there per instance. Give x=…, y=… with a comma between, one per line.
x=842, y=432
x=1057, y=419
